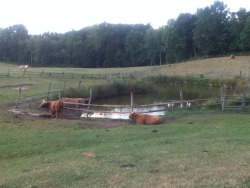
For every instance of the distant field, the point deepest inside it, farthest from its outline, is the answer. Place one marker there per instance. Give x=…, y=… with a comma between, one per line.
x=217, y=67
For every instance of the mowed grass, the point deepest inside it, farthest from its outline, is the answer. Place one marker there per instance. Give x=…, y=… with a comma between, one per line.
x=194, y=150
x=209, y=150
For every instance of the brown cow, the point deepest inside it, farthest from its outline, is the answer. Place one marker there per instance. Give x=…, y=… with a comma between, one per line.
x=74, y=100
x=146, y=119
x=55, y=107
x=232, y=56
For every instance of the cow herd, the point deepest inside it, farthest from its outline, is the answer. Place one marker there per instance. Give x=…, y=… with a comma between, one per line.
x=56, y=109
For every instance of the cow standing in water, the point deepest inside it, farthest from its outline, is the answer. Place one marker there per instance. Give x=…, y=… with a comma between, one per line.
x=55, y=107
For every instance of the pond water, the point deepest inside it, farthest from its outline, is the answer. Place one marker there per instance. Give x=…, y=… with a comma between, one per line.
x=167, y=94
x=164, y=93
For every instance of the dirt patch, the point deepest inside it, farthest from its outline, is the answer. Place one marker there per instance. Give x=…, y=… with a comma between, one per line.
x=88, y=153
x=70, y=117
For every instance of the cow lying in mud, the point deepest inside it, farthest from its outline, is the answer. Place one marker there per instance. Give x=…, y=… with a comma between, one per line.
x=146, y=119
x=74, y=102
x=55, y=107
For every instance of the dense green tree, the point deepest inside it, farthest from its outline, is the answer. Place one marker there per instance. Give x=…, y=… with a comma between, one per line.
x=151, y=45
x=184, y=26
x=154, y=45
x=134, y=45
x=11, y=41
x=211, y=31
x=171, y=42
x=211, y=36
x=245, y=36
x=236, y=26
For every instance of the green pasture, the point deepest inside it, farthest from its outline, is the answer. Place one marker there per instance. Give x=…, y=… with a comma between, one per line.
x=195, y=149
x=202, y=150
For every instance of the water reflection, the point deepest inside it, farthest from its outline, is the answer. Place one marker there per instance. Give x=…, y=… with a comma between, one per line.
x=123, y=112
x=164, y=93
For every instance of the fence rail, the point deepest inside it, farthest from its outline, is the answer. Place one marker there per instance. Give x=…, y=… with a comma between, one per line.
x=231, y=101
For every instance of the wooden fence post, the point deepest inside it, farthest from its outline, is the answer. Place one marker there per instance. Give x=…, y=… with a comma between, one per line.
x=30, y=103
x=79, y=85
x=49, y=91
x=244, y=96
x=24, y=71
x=90, y=96
x=42, y=73
x=181, y=96
x=132, y=102
x=18, y=97
x=222, y=97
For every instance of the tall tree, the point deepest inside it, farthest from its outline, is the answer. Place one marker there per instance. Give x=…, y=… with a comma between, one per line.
x=10, y=41
x=154, y=45
x=210, y=33
x=170, y=42
x=245, y=36
x=134, y=45
x=151, y=45
x=236, y=26
x=184, y=26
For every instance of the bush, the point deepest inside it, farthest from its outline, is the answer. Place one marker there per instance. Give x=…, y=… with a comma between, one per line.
x=211, y=105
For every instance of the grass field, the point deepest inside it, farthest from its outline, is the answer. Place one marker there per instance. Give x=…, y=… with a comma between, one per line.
x=209, y=150
x=198, y=149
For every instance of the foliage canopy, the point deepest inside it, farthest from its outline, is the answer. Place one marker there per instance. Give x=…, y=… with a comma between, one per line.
x=211, y=31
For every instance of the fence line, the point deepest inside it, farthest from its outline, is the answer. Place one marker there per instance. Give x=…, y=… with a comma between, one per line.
x=224, y=100
x=27, y=72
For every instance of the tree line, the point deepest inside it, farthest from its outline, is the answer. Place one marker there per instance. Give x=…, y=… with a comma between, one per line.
x=211, y=31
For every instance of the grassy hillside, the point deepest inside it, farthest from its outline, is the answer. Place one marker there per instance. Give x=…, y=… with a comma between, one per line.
x=197, y=149
x=223, y=66
x=215, y=67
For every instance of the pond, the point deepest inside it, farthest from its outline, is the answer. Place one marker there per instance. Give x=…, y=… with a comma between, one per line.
x=164, y=93
x=170, y=95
